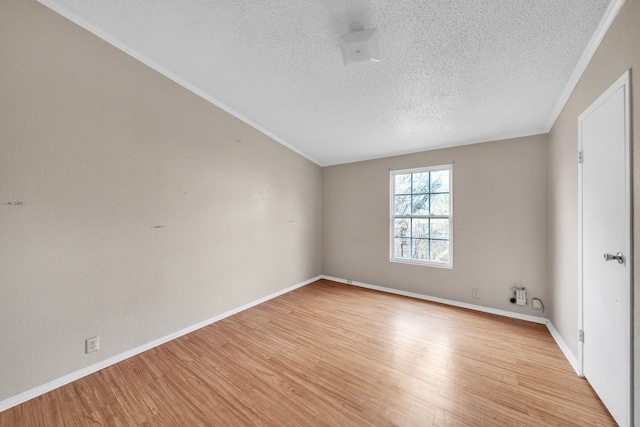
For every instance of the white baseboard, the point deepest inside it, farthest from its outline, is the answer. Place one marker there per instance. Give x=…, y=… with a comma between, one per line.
x=573, y=361
x=59, y=382
x=535, y=319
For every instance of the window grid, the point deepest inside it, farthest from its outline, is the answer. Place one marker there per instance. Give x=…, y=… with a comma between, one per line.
x=429, y=238
x=417, y=242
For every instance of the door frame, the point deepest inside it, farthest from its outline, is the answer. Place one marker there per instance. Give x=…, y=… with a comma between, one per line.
x=624, y=82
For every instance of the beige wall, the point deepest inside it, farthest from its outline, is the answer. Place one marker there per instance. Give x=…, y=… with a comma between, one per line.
x=619, y=51
x=99, y=150
x=500, y=223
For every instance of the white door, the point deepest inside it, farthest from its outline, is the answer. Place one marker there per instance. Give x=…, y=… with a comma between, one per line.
x=606, y=260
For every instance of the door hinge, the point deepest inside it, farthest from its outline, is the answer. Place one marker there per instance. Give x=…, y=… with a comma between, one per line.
x=580, y=157
x=580, y=335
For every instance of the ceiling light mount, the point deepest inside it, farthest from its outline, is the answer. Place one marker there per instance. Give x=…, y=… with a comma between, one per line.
x=359, y=46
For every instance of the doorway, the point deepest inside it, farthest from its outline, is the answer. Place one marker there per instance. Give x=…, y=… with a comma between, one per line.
x=605, y=258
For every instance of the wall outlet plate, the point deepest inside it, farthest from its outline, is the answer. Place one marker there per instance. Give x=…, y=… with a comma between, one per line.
x=475, y=292
x=91, y=344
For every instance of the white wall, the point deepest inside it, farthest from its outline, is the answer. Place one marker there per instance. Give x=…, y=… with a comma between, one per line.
x=500, y=223
x=97, y=150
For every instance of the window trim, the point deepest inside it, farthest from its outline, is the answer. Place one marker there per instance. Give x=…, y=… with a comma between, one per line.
x=392, y=216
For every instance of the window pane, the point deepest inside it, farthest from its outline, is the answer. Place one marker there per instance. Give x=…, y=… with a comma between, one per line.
x=421, y=249
x=440, y=250
x=402, y=248
x=421, y=182
x=439, y=229
x=403, y=205
x=420, y=228
x=402, y=227
x=403, y=184
x=439, y=204
x=420, y=205
x=440, y=182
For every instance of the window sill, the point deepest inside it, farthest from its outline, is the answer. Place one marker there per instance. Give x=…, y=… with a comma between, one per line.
x=448, y=266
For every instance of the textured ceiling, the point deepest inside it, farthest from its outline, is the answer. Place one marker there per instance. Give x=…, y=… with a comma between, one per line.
x=451, y=72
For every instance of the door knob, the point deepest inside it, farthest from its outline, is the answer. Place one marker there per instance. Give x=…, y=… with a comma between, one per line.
x=618, y=256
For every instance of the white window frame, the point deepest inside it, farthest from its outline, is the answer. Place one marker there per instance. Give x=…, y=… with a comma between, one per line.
x=393, y=216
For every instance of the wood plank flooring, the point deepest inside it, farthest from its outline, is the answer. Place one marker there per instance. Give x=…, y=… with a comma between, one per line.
x=330, y=354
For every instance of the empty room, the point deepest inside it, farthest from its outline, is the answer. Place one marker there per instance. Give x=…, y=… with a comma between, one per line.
x=318, y=213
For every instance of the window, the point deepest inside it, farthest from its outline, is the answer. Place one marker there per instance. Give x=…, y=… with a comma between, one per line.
x=421, y=216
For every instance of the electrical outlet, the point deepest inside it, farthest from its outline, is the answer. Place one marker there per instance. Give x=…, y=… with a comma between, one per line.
x=91, y=344
x=475, y=292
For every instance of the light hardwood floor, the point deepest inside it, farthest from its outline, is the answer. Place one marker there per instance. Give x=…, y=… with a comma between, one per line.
x=335, y=355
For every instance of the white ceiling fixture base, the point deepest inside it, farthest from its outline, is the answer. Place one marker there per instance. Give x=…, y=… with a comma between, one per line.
x=359, y=46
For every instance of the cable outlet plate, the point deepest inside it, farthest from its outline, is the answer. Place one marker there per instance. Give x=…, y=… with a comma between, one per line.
x=91, y=344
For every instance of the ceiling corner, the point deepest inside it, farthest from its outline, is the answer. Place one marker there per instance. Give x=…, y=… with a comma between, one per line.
x=605, y=23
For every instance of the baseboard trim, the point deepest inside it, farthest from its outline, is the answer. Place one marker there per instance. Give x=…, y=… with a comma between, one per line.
x=535, y=319
x=573, y=361
x=59, y=382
